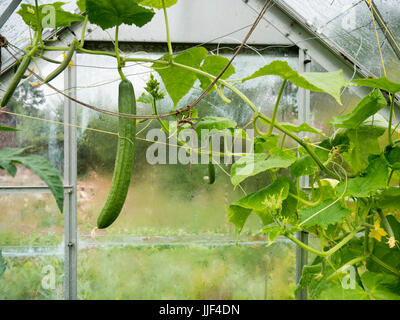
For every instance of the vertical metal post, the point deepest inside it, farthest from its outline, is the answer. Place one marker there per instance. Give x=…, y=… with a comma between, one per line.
x=304, y=116
x=70, y=179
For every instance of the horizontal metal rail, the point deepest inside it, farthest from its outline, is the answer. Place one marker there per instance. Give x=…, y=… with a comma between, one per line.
x=29, y=189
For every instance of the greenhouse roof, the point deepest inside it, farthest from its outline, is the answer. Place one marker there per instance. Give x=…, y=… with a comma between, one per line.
x=351, y=30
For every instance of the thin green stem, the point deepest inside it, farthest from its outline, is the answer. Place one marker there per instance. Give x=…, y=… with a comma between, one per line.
x=385, y=222
x=384, y=265
x=305, y=247
x=117, y=54
x=271, y=128
x=167, y=29
x=390, y=177
x=104, y=53
x=350, y=263
x=342, y=243
x=390, y=121
x=155, y=112
x=39, y=23
x=256, y=129
x=221, y=94
x=366, y=238
x=283, y=141
x=50, y=60
x=306, y=202
x=85, y=22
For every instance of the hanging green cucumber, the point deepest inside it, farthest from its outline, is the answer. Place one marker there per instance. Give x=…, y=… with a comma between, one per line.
x=125, y=156
x=211, y=166
x=211, y=173
x=15, y=80
x=63, y=65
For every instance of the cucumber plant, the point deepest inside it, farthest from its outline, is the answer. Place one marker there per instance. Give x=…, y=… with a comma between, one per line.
x=353, y=193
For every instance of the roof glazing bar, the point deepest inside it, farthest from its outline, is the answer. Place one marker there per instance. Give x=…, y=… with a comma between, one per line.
x=9, y=11
x=384, y=26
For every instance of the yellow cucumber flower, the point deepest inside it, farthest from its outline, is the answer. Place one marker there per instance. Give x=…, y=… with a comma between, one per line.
x=70, y=64
x=377, y=232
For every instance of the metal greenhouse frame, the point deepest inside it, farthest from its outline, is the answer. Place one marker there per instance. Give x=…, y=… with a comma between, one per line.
x=290, y=30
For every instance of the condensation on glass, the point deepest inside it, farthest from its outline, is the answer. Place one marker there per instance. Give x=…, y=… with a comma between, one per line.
x=31, y=233
x=37, y=112
x=350, y=26
x=173, y=218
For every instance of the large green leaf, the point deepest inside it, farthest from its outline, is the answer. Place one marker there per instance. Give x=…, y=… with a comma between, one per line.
x=157, y=4
x=319, y=288
x=392, y=155
x=39, y=166
x=362, y=145
x=304, y=166
x=304, y=127
x=368, y=106
x=81, y=5
x=324, y=214
x=289, y=205
x=380, y=83
x=369, y=182
x=214, y=65
x=389, y=199
x=111, y=13
x=215, y=123
x=381, y=286
x=43, y=168
x=264, y=202
x=329, y=290
x=253, y=164
x=3, y=128
x=363, y=141
x=262, y=144
x=6, y=156
x=309, y=275
x=62, y=18
x=178, y=81
x=374, y=126
x=328, y=82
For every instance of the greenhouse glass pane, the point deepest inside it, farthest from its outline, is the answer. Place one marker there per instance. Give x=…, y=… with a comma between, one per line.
x=323, y=107
x=96, y=150
x=349, y=25
x=187, y=272
x=16, y=29
x=31, y=233
x=172, y=218
x=36, y=113
x=390, y=11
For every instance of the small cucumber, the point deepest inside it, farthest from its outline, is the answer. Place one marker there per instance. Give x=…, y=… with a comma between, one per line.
x=211, y=166
x=211, y=173
x=63, y=65
x=15, y=80
x=125, y=157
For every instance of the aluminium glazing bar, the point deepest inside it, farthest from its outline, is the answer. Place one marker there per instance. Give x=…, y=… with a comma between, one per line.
x=8, y=12
x=70, y=178
x=304, y=102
